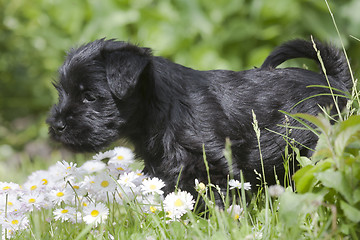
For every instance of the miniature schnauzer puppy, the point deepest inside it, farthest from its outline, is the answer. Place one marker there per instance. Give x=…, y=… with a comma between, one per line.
x=173, y=115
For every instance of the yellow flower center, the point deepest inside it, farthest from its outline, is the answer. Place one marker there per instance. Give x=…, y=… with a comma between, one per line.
x=139, y=174
x=178, y=203
x=45, y=181
x=33, y=187
x=168, y=214
x=6, y=188
x=32, y=200
x=68, y=168
x=10, y=203
x=152, y=186
x=84, y=204
x=120, y=157
x=94, y=213
x=152, y=209
x=64, y=211
x=104, y=184
x=14, y=222
x=236, y=217
x=60, y=194
x=120, y=169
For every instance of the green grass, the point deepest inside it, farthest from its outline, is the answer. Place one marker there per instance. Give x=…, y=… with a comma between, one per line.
x=325, y=204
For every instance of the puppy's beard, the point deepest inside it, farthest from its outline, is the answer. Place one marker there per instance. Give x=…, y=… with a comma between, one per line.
x=84, y=138
x=83, y=142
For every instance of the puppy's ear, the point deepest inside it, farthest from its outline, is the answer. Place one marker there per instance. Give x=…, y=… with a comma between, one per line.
x=125, y=65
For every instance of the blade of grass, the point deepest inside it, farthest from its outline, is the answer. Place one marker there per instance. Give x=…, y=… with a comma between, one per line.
x=355, y=92
x=327, y=79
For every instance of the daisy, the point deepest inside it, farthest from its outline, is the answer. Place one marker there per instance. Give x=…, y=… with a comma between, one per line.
x=76, y=187
x=84, y=201
x=141, y=177
x=127, y=179
x=65, y=214
x=237, y=184
x=16, y=222
x=33, y=200
x=63, y=170
x=104, y=155
x=150, y=203
x=116, y=169
x=177, y=204
x=235, y=211
x=92, y=166
x=10, y=203
x=33, y=186
x=6, y=187
x=88, y=183
x=122, y=155
x=104, y=183
x=95, y=214
x=68, y=169
x=40, y=179
x=8, y=232
x=56, y=196
x=152, y=186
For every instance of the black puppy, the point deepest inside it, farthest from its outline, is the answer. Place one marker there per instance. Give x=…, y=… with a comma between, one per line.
x=110, y=89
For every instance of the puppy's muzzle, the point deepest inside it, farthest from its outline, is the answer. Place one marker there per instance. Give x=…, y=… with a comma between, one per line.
x=58, y=126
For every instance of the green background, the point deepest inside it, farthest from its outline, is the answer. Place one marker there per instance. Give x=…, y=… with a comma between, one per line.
x=201, y=34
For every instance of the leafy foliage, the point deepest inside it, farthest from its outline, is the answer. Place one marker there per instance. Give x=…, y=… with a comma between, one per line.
x=331, y=182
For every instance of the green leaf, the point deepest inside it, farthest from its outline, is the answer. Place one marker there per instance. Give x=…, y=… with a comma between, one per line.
x=305, y=179
x=297, y=118
x=320, y=122
x=293, y=205
x=336, y=180
x=356, y=196
x=348, y=132
x=350, y=212
x=304, y=161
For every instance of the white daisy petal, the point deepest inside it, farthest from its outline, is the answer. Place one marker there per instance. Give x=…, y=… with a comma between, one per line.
x=104, y=155
x=122, y=155
x=236, y=211
x=177, y=204
x=95, y=214
x=127, y=179
x=92, y=166
x=152, y=186
x=237, y=184
x=65, y=214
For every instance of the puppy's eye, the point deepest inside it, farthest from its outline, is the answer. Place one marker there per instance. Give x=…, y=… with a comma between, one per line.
x=88, y=97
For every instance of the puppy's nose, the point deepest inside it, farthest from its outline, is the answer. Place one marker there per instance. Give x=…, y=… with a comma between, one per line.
x=59, y=126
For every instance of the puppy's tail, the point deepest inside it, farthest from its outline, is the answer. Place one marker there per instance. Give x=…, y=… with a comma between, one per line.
x=334, y=60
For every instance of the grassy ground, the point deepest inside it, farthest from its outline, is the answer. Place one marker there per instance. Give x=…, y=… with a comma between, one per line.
x=325, y=205
x=106, y=198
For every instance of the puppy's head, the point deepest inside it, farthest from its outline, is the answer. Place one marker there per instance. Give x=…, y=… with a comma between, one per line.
x=97, y=93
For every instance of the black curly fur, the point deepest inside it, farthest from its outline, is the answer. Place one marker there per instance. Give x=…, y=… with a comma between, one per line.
x=110, y=89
